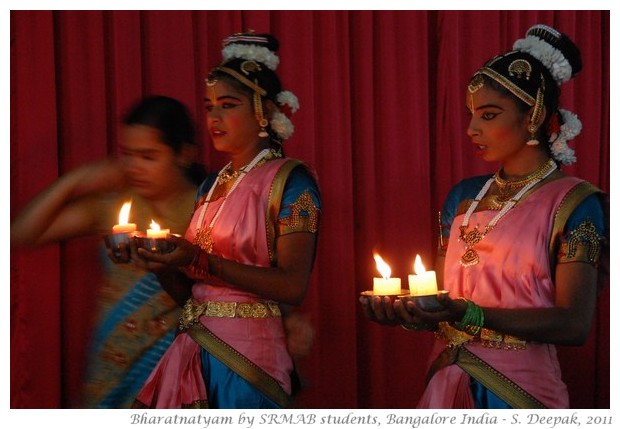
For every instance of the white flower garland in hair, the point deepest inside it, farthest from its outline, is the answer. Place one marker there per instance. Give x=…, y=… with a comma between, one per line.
x=282, y=125
x=251, y=52
x=570, y=129
x=552, y=58
x=288, y=98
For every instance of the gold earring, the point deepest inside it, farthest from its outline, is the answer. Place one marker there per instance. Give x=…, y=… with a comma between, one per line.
x=258, y=111
x=536, y=114
x=533, y=141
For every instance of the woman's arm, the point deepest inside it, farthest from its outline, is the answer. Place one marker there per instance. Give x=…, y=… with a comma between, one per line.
x=287, y=282
x=64, y=210
x=567, y=323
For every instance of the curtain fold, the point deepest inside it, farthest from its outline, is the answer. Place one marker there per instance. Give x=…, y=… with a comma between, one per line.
x=382, y=120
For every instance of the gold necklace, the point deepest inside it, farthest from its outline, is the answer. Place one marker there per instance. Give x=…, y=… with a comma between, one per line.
x=473, y=237
x=518, y=183
x=204, y=236
x=227, y=173
x=507, y=189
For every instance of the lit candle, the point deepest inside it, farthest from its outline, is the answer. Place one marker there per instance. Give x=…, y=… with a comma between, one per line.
x=123, y=221
x=423, y=282
x=385, y=285
x=156, y=231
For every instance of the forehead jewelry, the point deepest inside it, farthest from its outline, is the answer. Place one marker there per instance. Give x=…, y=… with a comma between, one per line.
x=211, y=88
x=475, y=83
x=474, y=86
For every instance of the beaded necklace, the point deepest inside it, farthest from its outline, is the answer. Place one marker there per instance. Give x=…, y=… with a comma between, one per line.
x=203, y=237
x=473, y=237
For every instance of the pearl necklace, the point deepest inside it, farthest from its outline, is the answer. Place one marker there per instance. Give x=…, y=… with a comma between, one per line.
x=203, y=237
x=473, y=237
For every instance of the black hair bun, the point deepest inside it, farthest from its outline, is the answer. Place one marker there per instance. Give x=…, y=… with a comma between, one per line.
x=561, y=42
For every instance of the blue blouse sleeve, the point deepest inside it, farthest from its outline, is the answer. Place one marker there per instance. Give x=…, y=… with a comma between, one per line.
x=300, y=209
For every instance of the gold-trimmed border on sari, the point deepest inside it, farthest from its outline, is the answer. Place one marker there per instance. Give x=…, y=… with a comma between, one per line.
x=273, y=204
x=239, y=364
x=495, y=381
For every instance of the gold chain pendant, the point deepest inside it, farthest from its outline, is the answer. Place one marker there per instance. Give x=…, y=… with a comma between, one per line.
x=470, y=257
x=204, y=239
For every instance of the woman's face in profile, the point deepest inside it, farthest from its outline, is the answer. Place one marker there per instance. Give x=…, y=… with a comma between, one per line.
x=497, y=129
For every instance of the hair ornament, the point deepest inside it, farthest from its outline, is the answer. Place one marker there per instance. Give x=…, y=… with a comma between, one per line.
x=520, y=68
x=289, y=99
x=250, y=66
x=281, y=125
x=257, y=54
x=251, y=53
x=553, y=59
x=570, y=128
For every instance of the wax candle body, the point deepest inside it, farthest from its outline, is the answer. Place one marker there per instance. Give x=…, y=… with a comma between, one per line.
x=157, y=233
x=423, y=284
x=389, y=286
x=124, y=228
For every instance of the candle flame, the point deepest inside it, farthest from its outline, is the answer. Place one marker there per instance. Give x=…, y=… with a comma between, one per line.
x=384, y=269
x=154, y=225
x=418, y=266
x=123, y=215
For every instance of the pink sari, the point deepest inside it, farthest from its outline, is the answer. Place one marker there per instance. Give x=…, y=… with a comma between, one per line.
x=239, y=234
x=514, y=272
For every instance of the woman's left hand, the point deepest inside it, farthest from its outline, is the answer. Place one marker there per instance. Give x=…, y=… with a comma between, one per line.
x=452, y=311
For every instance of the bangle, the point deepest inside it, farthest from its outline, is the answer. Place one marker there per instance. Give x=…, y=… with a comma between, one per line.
x=473, y=319
x=411, y=327
x=199, y=267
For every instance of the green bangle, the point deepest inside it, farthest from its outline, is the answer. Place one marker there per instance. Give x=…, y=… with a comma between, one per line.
x=473, y=319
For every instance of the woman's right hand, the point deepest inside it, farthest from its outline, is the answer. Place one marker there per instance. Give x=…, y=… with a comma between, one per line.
x=181, y=257
x=380, y=309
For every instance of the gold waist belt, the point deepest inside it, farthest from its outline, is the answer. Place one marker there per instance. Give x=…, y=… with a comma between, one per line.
x=487, y=338
x=192, y=311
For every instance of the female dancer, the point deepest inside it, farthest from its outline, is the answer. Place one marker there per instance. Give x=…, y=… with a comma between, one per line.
x=519, y=249
x=248, y=251
x=136, y=319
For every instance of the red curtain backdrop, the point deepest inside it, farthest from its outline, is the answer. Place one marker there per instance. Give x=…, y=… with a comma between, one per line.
x=382, y=119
